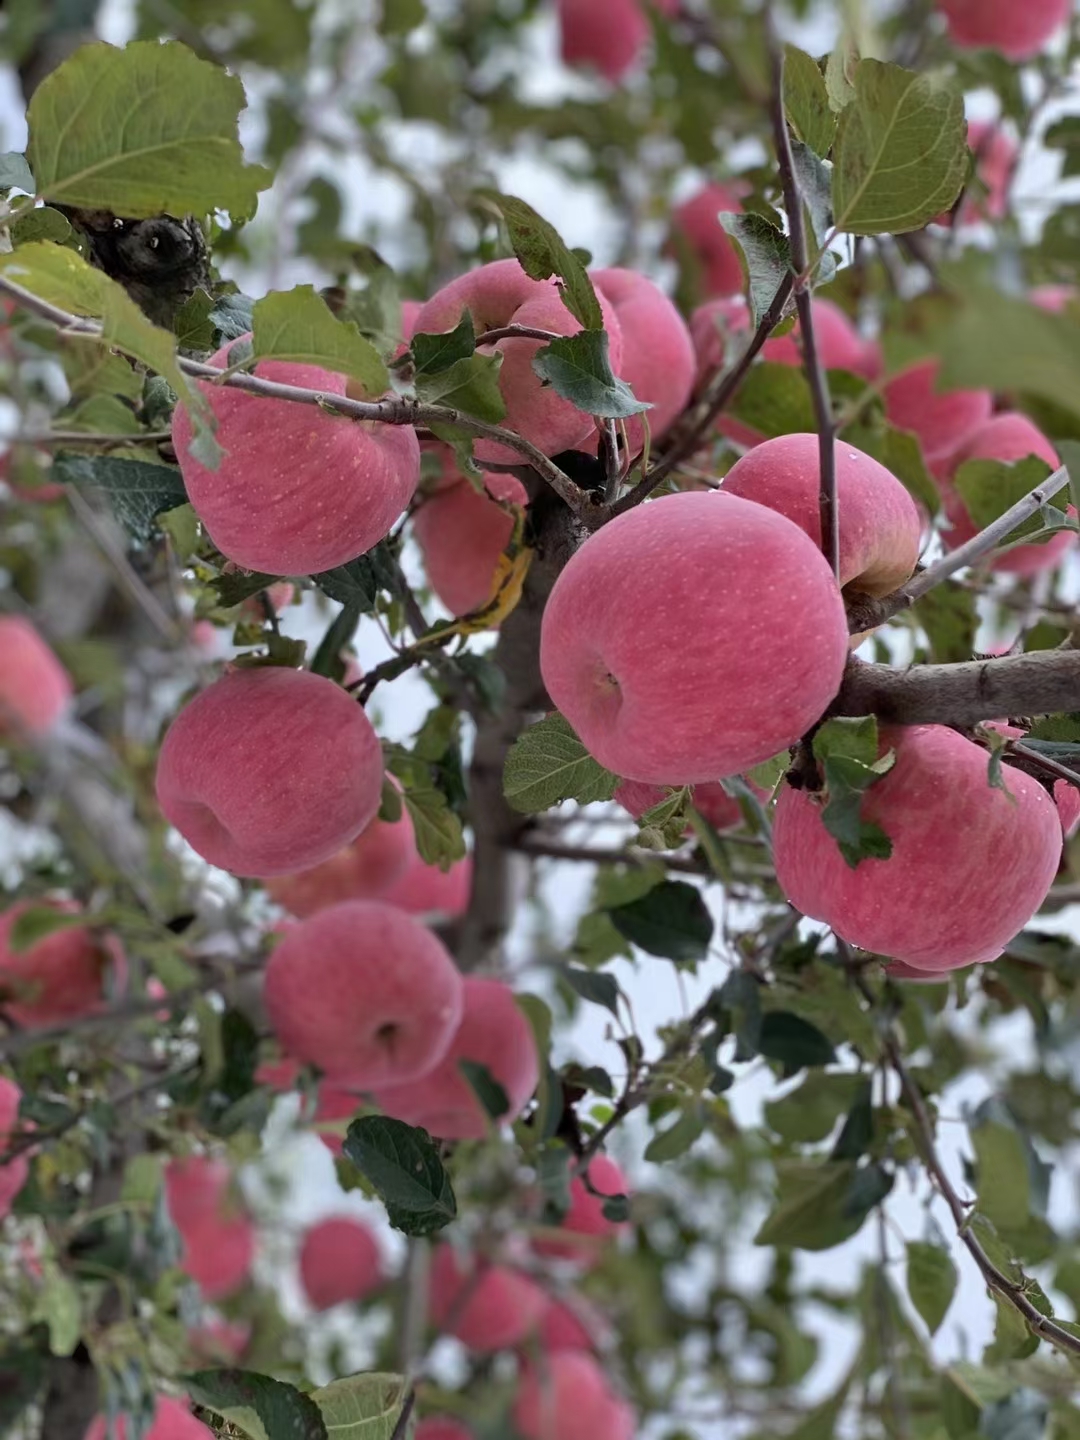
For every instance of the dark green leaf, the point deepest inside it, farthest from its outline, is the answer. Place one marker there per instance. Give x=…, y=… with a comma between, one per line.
x=435, y=353
x=989, y=487
x=543, y=254
x=488, y=1091
x=548, y=763
x=671, y=921
x=23, y=1362
x=931, y=1281
x=740, y=995
x=263, y=1408
x=327, y=659
x=232, y=316
x=806, y=101
x=297, y=325
x=593, y=985
x=947, y=614
x=470, y=385
x=440, y=839
x=766, y=256
x=847, y=750
x=810, y=1112
x=137, y=491
x=854, y=1139
x=819, y=1206
x=402, y=1163
x=793, y=1041
x=669, y=1144
x=1002, y=1175
x=553, y=1176
x=15, y=173
x=354, y=584
x=193, y=325
x=578, y=368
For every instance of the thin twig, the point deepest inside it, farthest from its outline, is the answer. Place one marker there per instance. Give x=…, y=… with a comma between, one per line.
x=84, y=437
x=143, y=597
x=592, y=855
x=517, y=332
x=1044, y=762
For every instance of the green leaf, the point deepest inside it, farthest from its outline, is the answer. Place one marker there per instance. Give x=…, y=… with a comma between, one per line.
x=819, y=1206
x=669, y=1144
x=58, y=1306
x=470, y=385
x=593, y=985
x=297, y=325
x=808, y=1114
x=793, y=1041
x=775, y=400
x=355, y=584
x=858, y=1131
x=22, y=1375
x=740, y=995
x=552, y=1163
x=263, y=1408
x=440, y=839
x=931, y=1281
x=900, y=155
x=989, y=487
x=38, y=922
x=433, y=353
x=137, y=490
x=1002, y=1182
x=192, y=325
x=766, y=257
x=547, y=763
x=487, y=1089
x=41, y=223
x=362, y=1407
x=947, y=614
x=671, y=920
x=579, y=369
x=543, y=254
x=232, y=316
x=327, y=658
x=402, y=1163
x=15, y=173
x=846, y=749
x=806, y=101
x=149, y=129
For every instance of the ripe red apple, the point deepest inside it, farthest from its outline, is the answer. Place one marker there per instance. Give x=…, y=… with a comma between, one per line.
x=726, y=656
x=501, y=294
x=880, y=525
x=442, y=1427
x=1067, y=800
x=365, y=870
x=567, y=1397
x=608, y=35
x=658, y=361
x=570, y=1326
x=944, y=898
x=462, y=534
x=493, y=1032
x=35, y=689
x=840, y=346
x=1053, y=298
x=13, y=1171
x=270, y=771
x=426, y=890
x=334, y=1103
x=218, y=1236
x=299, y=490
x=63, y=975
x=1017, y=29
x=172, y=1421
x=485, y=1306
x=695, y=221
x=339, y=1261
x=942, y=419
x=1008, y=436
x=585, y=1220
x=364, y=992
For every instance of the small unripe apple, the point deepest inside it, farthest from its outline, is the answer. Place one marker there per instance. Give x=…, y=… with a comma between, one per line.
x=462, y=534
x=695, y=220
x=943, y=420
x=63, y=975
x=172, y=1421
x=1017, y=29
x=485, y=1306
x=218, y=1236
x=726, y=656
x=15, y=1169
x=494, y=1033
x=567, y=1397
x=339, y=1261
x=35, y=689
x=585, y=1221
x=364, y=992
x=270, y=771
x=299, y=490
x=880, y=526
x=945, y=897
x=501, y=294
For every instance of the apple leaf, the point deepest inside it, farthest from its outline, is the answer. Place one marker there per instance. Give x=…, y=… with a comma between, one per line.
x=947, y=614
x=544, y=254
x=578, y=368
x=137, y=490
x=795, y=1042
x=362, y=1407
x=434, y=353
x=15, y=173
x=297, y=325
x=775, y=400
x=900, y=156
x=806, y=101
x=263, y=1408
x=486, y=1088
x=439, y=836
x=470, y=385
x=677, y=1139
x=671, y=920
x=149, y=129
x=766, y=256
x=931, y=1281
x=846, y=750
x=402, y=1163
x=547, y=763
x=989, y=487
x=821, y=1205
x=38, y=922
x=593, y=985
x=808, y=1114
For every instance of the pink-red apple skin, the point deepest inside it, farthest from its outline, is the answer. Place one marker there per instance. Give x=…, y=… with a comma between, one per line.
x=364, y=992
x=568, y=1398
x=172, y=1421
x=1067, y=800
x=462, y=534
x=1008, y=436
x=585, y=1220
x=15, y=1170
x=712, y=802
x=1053, y=298
x=695, y=220
x=880, y=525
x=339, y=1261
x=299, y=490
x=428, y=891
x=1017, y=29
x=658, y=361
x=501, y=294
x=719, y=662
x=218, y=1236
x=607, y=35
x=943, y=420
x=485, y=1306
x=945, y=897
x=61, y=976
x=270, y=771
x=566, y=1326
x=334, y=1103
x=364, y=870
x=35, y=689
x=442, y=1427
x=493, y=1032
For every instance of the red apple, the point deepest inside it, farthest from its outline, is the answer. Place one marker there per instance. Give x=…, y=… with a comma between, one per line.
x=1017, y=29
x=567, y=1397
x=493, y=1032
x=172, y=1421
x=63, y=975
x=15, y=1170
x=442, y=1427
x=218, y=1236
x=426, y=890
x=334, y=1103
x=943, y=899
x=299, y=490
x=364, y=992
x=35, y=689
x=501, y=294
x=462, y=534
x=339, y=1261
x=726, y=656
x=943, y=420
x=585, y=1221
x=485, y=1306
x=696, y=222
x=1053, y=298
x=712, y=802
x=880, y=526
x=270, y=771
x=608, y=35
x=575, y=1325
x=219, y=1342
